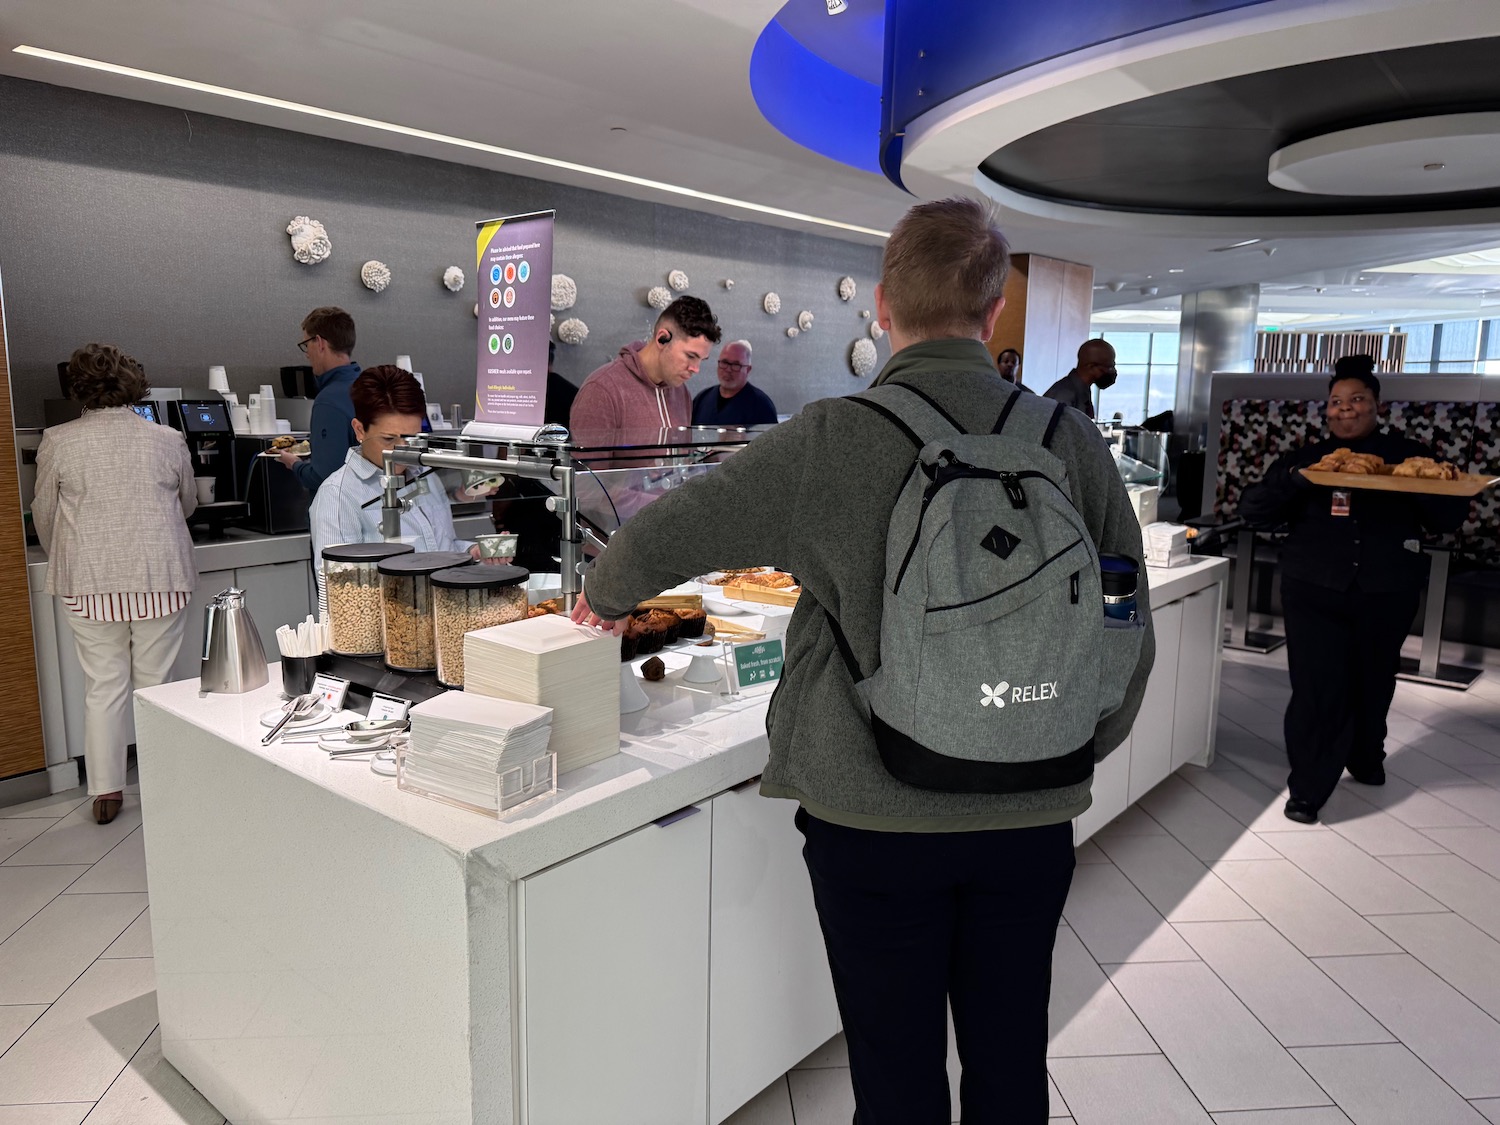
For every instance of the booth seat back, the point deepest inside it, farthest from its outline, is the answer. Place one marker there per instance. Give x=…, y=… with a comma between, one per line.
x=1253, y=432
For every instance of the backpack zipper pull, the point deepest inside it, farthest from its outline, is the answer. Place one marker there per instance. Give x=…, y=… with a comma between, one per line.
x=1013, y=490
x=1073, y=588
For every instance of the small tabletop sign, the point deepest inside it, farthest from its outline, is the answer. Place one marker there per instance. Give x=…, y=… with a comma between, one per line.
x=332, y=689
x=758, y=662
x=388, y=707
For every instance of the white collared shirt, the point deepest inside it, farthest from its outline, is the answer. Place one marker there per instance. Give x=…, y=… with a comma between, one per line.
x=339, y=514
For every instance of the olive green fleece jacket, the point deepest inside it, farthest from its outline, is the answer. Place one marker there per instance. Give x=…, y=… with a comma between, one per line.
x=814, y=497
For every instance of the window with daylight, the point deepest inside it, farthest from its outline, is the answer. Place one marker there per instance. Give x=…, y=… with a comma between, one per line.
x=1147, y=383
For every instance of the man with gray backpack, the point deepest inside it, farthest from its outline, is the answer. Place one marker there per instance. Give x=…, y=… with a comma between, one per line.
x=951, y=674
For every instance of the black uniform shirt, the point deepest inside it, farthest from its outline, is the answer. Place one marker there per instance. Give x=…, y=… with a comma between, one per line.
x=1370, y=548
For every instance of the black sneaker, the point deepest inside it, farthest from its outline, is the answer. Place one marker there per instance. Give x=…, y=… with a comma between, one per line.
x=1374, y=775
x=1300, y=811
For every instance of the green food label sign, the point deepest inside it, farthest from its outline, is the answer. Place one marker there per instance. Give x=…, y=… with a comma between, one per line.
x=758, y=662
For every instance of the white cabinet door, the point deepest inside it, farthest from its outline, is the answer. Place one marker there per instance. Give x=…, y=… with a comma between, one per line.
x=1197, y=676
x=1151, y=737
x=614, y=981
x=275, y=595
x=770, y=996
x=1111, y=792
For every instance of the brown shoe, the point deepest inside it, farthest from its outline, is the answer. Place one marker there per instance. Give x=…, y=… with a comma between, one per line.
x=106, y=808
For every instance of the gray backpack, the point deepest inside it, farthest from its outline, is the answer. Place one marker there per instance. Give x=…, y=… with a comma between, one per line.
x=996, y=659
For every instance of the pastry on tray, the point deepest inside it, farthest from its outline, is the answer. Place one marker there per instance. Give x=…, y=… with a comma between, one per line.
x=1427, y=469
x=1345, y=460
x=288, y=444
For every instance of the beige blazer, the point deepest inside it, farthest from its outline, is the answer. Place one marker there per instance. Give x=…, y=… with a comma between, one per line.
x=113, y=492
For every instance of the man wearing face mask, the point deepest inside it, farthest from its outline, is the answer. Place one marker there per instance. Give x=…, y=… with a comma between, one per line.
x=1351, y=574
x=642, y=391
x=1096, y=368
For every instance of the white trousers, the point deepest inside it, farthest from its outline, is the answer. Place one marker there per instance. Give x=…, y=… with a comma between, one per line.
x=117, y=657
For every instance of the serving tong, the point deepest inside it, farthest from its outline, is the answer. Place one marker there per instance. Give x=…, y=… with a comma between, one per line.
x=361, y=736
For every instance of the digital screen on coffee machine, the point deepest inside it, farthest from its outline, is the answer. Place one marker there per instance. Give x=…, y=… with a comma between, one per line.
x=204, y=417
x=147, y=410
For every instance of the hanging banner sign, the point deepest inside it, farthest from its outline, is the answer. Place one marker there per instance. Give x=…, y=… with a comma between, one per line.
x=515, y=306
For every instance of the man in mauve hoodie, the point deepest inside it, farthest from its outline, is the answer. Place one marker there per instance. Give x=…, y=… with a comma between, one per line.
x=642, y=391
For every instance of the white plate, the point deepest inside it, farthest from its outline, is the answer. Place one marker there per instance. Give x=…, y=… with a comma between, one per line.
x=318, y=714
x=721, y=608
x=279, y=452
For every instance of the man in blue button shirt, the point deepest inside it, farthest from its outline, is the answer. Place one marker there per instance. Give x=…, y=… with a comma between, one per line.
x=734, y=402
x=328, y=338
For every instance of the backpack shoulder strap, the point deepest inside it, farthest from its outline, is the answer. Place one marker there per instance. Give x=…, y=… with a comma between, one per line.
x=1030, y=417
x=919, y=416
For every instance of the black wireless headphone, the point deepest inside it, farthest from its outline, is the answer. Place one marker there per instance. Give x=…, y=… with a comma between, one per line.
x=664, y=339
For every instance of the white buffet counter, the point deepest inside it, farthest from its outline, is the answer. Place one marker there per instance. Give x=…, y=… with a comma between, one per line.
x=639, y=948
x=274, y=571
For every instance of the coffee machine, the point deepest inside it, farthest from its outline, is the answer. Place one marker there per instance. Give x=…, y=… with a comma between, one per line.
x=204, y=425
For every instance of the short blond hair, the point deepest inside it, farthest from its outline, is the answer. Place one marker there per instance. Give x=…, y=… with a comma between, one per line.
x=945, y=267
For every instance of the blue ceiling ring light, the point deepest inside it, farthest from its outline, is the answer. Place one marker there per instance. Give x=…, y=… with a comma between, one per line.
x=814, y=75
x=801, y=88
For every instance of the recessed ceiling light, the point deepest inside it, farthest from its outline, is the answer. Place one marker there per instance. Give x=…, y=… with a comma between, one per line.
x=439, y=138
x=1174, y=271
x=1433, y=167
x=1237, y=245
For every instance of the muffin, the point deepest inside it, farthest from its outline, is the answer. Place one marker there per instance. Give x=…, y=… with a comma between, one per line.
x=693, y=621
x=629, y=643
x=668, y=622
x=649, y=637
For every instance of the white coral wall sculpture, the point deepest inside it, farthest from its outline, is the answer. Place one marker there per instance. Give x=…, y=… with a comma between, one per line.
x=862, y=357
x=678, y=280
x=847, y=289
x=476, y=310
x=375, y=275
x=805, y=320
x=310, y=244
x=572, y=331
x=564, y=292
x=793, y=332
x=771, y=303
x=729, y=283
x=875, y=330
x=864, y=314
x=453, y=279
x=658, y=297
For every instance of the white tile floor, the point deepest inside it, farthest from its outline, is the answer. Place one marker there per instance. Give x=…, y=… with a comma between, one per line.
x=1217, y=964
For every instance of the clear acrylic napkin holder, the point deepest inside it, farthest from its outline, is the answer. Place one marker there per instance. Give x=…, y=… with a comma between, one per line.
x=517, y=784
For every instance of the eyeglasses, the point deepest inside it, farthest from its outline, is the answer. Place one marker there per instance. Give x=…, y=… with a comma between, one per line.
x=302, y=345
x=732, y=367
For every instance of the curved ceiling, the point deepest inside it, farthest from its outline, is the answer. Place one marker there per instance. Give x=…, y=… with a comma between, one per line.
x=1205, y=149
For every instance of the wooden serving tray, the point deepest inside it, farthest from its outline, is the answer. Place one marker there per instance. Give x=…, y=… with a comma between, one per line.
x=1469, y=484
x=673, y=601
x=728, y=630
x=766, y=595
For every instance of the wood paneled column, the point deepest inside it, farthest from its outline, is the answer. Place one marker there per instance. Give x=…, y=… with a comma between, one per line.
x=21, y=750
x=1046, y=316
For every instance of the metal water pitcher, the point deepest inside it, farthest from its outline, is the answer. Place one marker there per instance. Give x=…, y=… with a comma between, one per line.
x=234, y=660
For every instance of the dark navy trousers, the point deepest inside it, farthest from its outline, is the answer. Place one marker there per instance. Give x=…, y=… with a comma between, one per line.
x=914, y=921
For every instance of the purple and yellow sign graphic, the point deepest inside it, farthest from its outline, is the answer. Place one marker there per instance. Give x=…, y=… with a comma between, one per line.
x=510, y=385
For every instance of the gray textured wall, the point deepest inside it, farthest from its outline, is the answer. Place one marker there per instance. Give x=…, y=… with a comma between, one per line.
x=164, y=233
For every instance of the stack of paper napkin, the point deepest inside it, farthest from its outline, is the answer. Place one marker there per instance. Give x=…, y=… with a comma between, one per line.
x=466, y=748
x=1166, y=544
x=551, y=662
